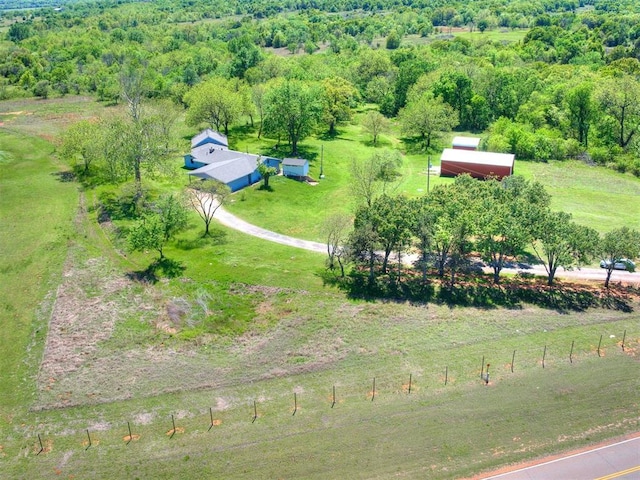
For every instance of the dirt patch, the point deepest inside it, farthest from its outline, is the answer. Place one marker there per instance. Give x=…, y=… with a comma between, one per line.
x=222, y=404
x=84, y=314
x=131, y=438
x=144, y=418
x=173, y=431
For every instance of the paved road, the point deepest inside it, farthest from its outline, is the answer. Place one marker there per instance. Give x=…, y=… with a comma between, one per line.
x=619, y=461
x=229, y=220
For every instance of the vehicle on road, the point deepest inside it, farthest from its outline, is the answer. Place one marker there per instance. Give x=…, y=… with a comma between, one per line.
x=621, y=264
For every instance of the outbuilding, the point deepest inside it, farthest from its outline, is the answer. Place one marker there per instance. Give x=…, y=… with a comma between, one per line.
x=465, y=143
x=295, y=167
x=481, y=165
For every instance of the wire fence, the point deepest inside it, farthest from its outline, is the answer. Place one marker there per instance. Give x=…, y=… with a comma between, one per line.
x=488, y=369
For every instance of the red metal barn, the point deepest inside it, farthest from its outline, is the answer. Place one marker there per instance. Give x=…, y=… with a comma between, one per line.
x=481, y=165
x=465, y=143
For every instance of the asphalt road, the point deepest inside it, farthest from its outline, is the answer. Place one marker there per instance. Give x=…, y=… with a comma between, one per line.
x=596, y=274
x=619, y=460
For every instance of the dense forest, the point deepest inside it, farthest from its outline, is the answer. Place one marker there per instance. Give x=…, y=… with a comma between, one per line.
x=566, y=86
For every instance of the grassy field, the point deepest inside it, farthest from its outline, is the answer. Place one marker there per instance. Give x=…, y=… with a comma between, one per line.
x=247, y=324
x=597, y=197
x=37, y=210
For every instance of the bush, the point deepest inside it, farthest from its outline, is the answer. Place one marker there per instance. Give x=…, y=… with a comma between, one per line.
x=41, y=89
x=573, y=148
x=600, y=155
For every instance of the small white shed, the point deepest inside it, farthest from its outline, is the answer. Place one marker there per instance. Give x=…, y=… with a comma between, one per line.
x=295, y=167
x=465, y=143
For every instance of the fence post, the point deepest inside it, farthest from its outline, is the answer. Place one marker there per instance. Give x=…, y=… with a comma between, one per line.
x=544, y=354
x=409, y=383
x=482, y=368
x=173, y=422
x=571, y=352
x=599, y=343
x=255, y=412
x=333, y=404
x=624, y=336
x=446, y=374
x=513, y=359
x=89, y=437
x=130, y=434
x=41, y=446
x=295, y=403
x=373, y=395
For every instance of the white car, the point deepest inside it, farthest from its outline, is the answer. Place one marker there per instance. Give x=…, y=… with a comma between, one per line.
x=621, y=264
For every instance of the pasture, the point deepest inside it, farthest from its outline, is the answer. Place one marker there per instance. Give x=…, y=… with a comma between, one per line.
x=249, y=333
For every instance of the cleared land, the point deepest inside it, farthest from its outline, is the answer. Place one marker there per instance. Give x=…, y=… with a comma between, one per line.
x=248, y=325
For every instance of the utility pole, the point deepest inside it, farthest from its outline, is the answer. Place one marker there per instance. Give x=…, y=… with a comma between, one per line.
x=428, y=171
x=322, y=161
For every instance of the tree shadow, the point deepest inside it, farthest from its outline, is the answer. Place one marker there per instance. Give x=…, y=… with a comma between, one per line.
x=414, y=146
x=243, y=132
x=480, y=292
x=329, y=136
x=65, y=177
x=162, y=267
x=215, y=237
x=265, y=188
x=125, y=206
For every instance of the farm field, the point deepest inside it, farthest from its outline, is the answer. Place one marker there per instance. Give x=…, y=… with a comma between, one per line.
x=280, y=339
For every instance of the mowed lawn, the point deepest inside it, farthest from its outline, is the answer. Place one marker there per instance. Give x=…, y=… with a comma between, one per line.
x=597, y=197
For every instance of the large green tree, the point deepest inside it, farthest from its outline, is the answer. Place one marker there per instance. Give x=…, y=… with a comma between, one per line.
x=292, y=109
x=81, y=143
x=502, y=232
x=621, y=244
x=620, y=100
x=159, y=224
x=582, y=111
x=426, y=117
x=560, y=242
x=455, y=88
x=339, y=98
x=215, y=102
x=456, y=211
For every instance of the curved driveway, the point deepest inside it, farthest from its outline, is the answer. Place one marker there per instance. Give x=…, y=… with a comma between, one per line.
x=231, y=221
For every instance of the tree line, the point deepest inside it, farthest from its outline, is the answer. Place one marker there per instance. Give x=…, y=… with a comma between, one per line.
x=454, y=226
x=569, y=89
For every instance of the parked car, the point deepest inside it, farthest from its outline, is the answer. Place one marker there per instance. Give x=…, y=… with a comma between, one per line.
x=622, y=264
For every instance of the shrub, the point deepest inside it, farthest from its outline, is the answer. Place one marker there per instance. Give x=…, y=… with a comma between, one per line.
x=600, y=155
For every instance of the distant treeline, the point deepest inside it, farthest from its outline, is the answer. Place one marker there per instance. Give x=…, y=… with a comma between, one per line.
x=541, y=79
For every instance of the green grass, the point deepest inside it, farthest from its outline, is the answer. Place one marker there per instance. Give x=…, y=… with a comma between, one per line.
x=37, y=211
x=597, y=197
x=440, y=431
x=274, y=328
x=498, y=35
x=298, y=209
